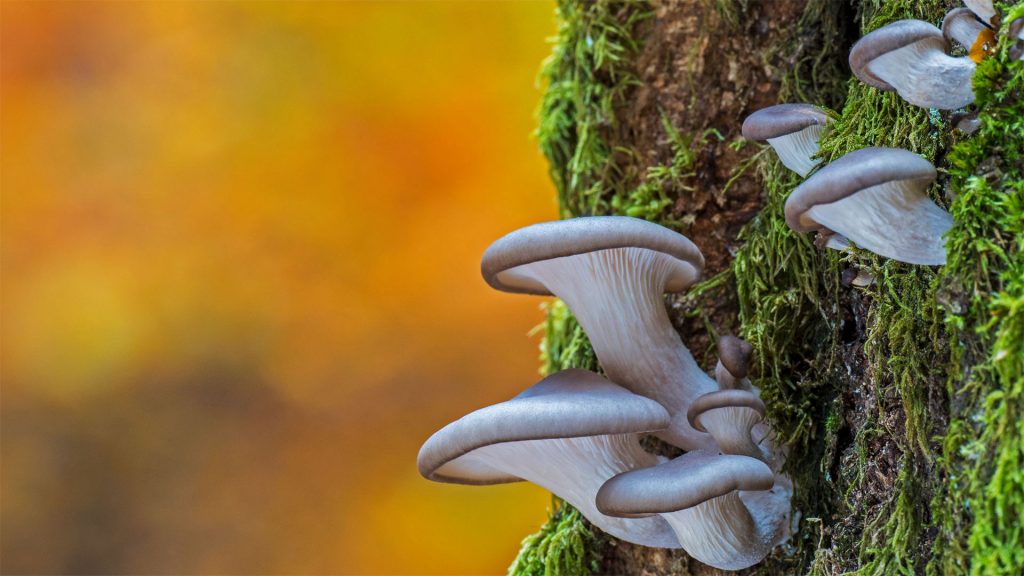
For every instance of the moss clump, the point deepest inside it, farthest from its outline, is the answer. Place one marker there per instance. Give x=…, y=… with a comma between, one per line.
x=564, y=546
x=982, y=506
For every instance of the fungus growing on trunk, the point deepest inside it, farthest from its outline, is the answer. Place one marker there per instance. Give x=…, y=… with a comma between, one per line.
x=569, y=433
x=877, y=198
x=612, y=272
x=793, y=130
x=727, y=511
x=909, y=56
x=961, y=26
x=730, y=416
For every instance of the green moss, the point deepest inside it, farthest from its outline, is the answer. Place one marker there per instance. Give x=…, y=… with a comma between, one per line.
x=564, y=546
x=982, y=506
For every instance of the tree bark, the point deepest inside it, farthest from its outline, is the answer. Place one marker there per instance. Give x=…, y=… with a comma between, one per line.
x=900, y=400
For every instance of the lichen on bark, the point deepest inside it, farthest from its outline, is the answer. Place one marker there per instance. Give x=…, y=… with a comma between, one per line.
x=902, y=401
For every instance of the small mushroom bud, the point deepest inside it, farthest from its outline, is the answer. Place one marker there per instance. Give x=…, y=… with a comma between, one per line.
x=733, y=363
x=877, y=198
x=909, y=56
x=793, y=130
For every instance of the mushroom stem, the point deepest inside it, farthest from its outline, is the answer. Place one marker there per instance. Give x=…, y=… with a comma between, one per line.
x=720, y=532
x=624, y=315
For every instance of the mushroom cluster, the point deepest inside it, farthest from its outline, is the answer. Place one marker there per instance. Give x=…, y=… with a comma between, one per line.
x=912, y=57
x=576, y=433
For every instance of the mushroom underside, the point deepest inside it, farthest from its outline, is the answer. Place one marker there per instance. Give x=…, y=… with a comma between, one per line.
x=732, y=428
x=894, y=219
x=734, y=531
x=617, y=296
x=574, y=469
x=924, y=75
x=796, y=150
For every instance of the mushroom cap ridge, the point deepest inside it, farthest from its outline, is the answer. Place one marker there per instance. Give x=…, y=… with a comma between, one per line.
x=568, y=404
x=723, y=399
x=884, y=40
x=684, y=482
x=782, y=119
x=559, y=238
x=852, y=173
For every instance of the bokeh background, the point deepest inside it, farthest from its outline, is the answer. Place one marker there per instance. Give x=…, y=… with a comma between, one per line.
x=240, y=250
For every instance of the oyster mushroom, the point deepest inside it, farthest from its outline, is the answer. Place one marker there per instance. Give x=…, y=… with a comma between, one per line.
x=733, y=363
x=909, y=56
x=612, y=272
x=877, y=198
x=984, y=9
x=961, y=26
x=727, y=511
x=793, y=130
x=730, y=416
x=569, y=433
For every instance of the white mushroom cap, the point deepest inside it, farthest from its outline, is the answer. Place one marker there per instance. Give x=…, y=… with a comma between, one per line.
x=730, y=416
x=909, y=56
x=612, y=272
x=984, y=9
x=727, y=511
x=568, y=433
x=877, y=198
x=961, y=26
x=793, y=130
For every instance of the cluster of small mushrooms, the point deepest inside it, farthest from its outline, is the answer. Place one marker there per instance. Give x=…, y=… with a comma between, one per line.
x=725, y=501
x=578, y=434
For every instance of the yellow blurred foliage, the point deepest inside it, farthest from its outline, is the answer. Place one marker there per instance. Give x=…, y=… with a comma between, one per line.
x=240, y=249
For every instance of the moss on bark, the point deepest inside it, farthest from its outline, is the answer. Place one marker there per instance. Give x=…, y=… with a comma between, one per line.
x=902, y=401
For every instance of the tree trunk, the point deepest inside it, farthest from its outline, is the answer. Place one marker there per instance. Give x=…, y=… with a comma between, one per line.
x=900, y=396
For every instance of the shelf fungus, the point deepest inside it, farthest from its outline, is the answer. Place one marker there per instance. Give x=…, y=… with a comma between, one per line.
x=909, y=56
x=961, y=26
x=612, y=272
x=727, y=511
x=793, y=130
x=569, y=433
x=877, y=198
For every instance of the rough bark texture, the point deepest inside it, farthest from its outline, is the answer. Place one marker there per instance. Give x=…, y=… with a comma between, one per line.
x=901, y=401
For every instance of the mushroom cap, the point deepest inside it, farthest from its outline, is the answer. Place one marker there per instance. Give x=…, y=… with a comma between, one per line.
x=782, y=119
x=723, y=399
x=884, y=40
x=734, y=354
x=561, y=238
x=853, y=172
x=684, y=482
x=959, y=17
x=984, y=9
x=568, y=404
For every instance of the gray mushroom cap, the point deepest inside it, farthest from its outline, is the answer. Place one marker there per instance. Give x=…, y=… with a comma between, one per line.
x=568, y=404
x=727, y=511
x=792, y=130
x=909, y=56
x=612, y=272
x=576, y=236
x=681, y=483
x=734, y=357
x=876, y=198
x=569, y=433
x=960, y=25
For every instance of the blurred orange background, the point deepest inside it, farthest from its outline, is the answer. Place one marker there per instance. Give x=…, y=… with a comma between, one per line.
x=240, y=251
